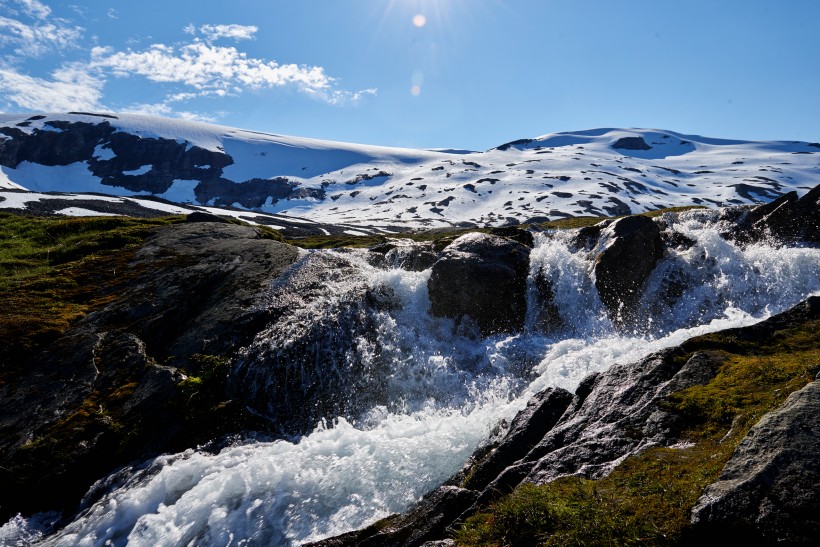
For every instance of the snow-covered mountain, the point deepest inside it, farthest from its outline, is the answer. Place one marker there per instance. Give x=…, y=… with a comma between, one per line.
x=599, y=172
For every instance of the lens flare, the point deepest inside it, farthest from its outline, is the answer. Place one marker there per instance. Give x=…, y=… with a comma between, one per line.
x=419, y=20
x=415, y=90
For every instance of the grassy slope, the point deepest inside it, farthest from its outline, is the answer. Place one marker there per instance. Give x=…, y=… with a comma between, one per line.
x=647, y=499
x=54, y=270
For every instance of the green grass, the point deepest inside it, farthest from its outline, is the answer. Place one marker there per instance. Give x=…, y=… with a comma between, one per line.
x=54, y=270
x=648, y=498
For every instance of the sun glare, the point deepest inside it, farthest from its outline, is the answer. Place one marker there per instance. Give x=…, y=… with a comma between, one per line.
x=419, y=20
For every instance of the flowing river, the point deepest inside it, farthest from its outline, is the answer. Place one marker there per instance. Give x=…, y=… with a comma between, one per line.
x=443, y=392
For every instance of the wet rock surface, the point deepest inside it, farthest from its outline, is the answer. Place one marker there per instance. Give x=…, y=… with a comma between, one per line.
x=414, y=257
x=484, y=278
x=308, y=362
x=112, y=388
x=632, y=247
x=787, y=219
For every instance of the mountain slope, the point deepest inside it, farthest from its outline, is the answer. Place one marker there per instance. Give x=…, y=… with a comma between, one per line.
x=598, y=172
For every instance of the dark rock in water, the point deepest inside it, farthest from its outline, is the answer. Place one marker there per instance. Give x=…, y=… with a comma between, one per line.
x=677, y=240
x=549, y=316
x=428, y=522
x=516, y=234
x=587, y=237
x=483, y=277
x=414, y=258
x=318, y=356
x=788, y=219
x=631, y=143
x=622, y=413
x=632, y=250
x=769, y=491
x=527, y=429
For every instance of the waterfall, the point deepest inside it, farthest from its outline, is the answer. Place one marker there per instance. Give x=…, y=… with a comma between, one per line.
x=415, y=395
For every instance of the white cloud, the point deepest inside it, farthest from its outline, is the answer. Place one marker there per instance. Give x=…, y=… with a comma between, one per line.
x=112, y=13
x=32, y=8
x=237, y=32
x=70, y=88
x=82, y=11
x=164, y=109
x=206, y=67
x=38, y=37
x=195, y=69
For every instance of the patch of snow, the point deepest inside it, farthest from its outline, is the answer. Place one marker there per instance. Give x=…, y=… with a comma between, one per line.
x=6, y=183
x=104, y=153
x=159, y=206
x=80, y=212
x=139, y=171
x=17, y=200
x=181, y=191
x=74, y=177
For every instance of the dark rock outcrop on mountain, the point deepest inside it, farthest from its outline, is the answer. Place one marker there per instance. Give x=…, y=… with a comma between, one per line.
x=770, y=489
x=631, y=143
x=632, y=247
x=483, y=278
x=143, y=164
x=112, y=388
x=623, y=411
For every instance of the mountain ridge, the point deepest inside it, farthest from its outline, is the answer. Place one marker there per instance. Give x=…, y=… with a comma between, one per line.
x=595, y=172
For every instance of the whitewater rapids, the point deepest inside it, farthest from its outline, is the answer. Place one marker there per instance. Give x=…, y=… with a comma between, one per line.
x=348, y=473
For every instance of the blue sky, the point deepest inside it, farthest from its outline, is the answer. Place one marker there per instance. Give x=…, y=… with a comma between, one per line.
x=424, y=73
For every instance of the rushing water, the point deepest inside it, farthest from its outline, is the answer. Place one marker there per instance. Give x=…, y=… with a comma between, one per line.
x=443, y=393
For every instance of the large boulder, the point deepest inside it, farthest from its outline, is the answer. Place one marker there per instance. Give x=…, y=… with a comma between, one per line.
x=788, y=219
x=632, y=247
x=770, y=489
x=318, y=356
x=199, y=291
x=484, y=278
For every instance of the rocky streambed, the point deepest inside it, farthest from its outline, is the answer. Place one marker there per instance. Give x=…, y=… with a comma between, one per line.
x=300, y=395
